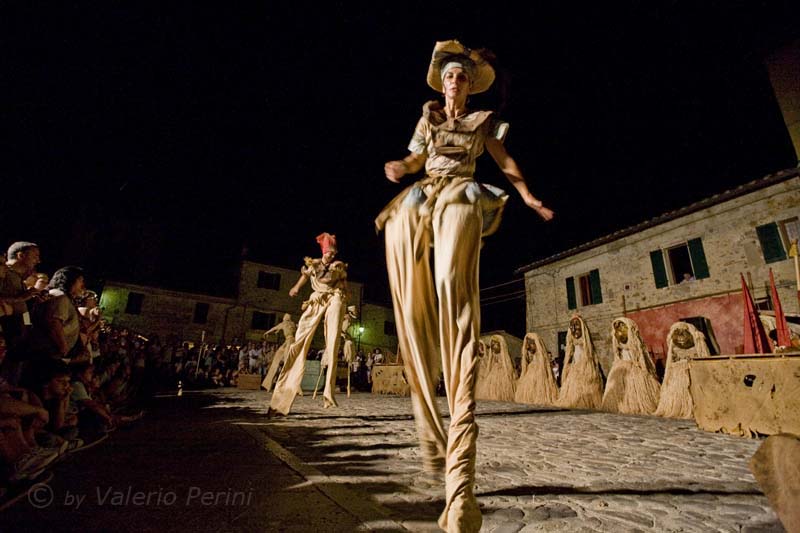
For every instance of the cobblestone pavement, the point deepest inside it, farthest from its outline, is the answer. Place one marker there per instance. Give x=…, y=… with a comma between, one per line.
x=537, y=469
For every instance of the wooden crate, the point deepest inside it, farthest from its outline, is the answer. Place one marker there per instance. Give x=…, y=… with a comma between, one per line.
x=389, y=379
x=747, y=395
x=249, y=381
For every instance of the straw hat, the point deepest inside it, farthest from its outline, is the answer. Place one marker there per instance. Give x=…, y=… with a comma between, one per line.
x=481, y=73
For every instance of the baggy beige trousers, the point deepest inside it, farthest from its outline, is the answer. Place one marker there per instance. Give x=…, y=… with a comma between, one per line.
x=280, y=355
x=330, y=306
x=457, y=238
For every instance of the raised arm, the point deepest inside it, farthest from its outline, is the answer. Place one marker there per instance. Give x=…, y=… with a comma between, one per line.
x=276, y=327
x=410, y=164
x=510, y=168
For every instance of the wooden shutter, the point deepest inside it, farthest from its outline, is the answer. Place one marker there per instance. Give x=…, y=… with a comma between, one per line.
x=659, y=270
x=699, y=264
x=571, y=303
x=771, y=244
x=594, y=282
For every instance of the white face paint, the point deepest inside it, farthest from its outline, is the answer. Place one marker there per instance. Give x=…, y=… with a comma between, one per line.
x=455, y=81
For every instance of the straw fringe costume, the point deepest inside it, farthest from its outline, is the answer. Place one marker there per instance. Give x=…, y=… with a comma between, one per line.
x=482, y=371
x=632, y=386
x=289, y=329
x=675, y=400
x=449, y=212
x=327, y=301
x=536, y=384
x=581, y=381
x=496, y=378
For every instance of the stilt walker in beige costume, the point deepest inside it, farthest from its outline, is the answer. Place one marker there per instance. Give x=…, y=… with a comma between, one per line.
x=449, y=211
x=327, y=301
x=288, y=328
x=348, y=346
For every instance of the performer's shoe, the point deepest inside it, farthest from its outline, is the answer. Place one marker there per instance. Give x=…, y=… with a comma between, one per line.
x=326, y=404
x=273, y=413
x=463, y=514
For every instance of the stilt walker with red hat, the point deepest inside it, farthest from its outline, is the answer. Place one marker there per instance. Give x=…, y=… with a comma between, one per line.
x=327, y=301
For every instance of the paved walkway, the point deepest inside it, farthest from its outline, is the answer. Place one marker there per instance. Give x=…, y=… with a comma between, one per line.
x=537, y=469
x=210, y=461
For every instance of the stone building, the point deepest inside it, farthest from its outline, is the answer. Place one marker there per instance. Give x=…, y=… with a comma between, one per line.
x=168, y=313
x=261, y=300
x=380, y=330
x=685, y=264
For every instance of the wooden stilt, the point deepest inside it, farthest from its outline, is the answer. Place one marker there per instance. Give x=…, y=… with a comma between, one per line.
x=316, y=387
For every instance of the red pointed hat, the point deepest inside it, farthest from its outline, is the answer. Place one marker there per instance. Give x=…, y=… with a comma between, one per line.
x=327, y=242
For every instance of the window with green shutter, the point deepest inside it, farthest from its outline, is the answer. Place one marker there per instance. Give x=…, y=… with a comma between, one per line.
x=680, y=263
x=699, y=264
x=586, y=291
x=594, y=286
x=571, y=301
x=771, y=244
x=659, y=269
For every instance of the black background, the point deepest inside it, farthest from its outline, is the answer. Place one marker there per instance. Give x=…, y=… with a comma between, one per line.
x=159, y=143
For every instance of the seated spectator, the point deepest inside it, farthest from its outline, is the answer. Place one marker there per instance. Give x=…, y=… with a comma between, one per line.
x=20, y=455
x=118, y=390
x=18, y=459
x=93, y=416
x=53, y=391
x=217, y=379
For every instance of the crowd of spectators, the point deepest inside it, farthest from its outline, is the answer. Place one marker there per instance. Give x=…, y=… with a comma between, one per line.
x=67, y=379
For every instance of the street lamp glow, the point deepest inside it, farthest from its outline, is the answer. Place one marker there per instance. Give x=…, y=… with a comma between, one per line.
x=361, y=329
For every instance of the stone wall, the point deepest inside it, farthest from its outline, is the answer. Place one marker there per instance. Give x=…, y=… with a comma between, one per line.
x=167, y=313
x=373, y=319
x=731, y=246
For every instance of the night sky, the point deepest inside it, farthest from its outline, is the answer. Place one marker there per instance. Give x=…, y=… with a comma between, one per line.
x=158, y=144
